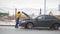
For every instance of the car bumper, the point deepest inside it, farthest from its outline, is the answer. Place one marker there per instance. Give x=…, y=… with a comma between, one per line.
x=22, y=24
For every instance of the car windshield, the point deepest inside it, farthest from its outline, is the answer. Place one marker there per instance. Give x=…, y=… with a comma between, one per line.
x=40, y=17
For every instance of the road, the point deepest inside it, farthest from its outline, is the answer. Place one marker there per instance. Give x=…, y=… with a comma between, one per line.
x=12, y=30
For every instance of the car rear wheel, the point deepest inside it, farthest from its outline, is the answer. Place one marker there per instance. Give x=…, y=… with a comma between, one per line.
x=56, y=26
x=29, y=25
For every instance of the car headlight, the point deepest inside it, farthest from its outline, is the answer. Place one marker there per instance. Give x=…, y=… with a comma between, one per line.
x=23, y=21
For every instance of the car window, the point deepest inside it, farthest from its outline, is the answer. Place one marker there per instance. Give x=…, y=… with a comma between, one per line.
x=50, y=17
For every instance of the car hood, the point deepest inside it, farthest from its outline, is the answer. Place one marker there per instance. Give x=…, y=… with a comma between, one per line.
x=27, y=15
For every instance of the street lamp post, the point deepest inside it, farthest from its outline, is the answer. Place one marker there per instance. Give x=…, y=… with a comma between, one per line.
x=44, y=7
x=15, y=12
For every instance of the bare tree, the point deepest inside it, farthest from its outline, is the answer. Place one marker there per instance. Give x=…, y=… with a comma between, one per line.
x=40, y=11
x=50, y=13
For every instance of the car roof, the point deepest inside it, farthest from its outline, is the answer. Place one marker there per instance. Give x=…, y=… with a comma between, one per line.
x=46, y=15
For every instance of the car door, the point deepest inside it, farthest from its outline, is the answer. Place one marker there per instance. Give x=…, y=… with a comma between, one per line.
x=41, y=21
x=49, y=20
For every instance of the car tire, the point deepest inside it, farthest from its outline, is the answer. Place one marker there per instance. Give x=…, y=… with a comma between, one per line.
x=56, y=26
x=29, y=26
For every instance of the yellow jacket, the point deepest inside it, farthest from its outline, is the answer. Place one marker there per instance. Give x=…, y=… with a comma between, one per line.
x=18, y=15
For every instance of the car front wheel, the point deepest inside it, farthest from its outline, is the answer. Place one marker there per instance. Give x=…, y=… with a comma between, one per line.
x=29, y=25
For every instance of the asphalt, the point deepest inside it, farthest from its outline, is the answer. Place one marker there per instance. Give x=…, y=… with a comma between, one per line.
x=9, y=28
x=20, y=30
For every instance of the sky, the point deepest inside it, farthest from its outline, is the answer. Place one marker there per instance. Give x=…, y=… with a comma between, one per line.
x=29, y=3
x=35, y=4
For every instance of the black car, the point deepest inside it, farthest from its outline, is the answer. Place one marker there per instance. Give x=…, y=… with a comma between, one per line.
x=42, y=21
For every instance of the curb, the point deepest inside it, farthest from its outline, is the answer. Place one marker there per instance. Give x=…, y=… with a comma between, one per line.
x=7, y=25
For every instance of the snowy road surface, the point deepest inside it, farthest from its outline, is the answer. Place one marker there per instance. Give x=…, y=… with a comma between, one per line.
x=12, y=30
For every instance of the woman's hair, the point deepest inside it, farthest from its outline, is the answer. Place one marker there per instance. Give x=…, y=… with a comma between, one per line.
x=18, y=12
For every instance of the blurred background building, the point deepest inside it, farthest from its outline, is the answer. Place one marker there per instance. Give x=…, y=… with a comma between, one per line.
x=3, y=16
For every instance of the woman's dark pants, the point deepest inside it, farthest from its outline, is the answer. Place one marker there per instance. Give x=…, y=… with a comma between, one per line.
x=17, y=23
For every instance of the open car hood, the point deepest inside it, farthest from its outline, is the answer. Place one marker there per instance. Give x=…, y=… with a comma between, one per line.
x=27, y=15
